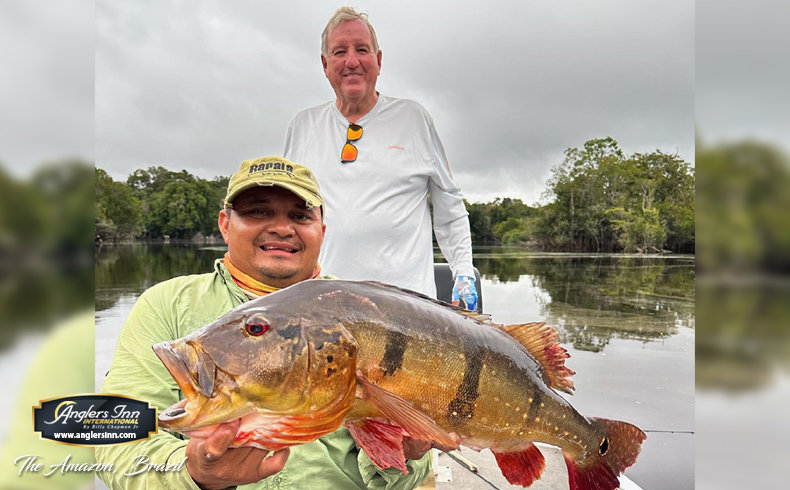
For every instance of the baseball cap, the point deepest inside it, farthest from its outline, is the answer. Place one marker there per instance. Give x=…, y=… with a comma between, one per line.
x=274, y=170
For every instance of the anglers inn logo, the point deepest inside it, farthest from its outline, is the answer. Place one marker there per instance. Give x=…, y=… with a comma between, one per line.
x=94, y=419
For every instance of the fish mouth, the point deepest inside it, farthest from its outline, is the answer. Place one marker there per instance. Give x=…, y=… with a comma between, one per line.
x=177, y=367
x=172, y=414
x=177, y=358
x=206, y=400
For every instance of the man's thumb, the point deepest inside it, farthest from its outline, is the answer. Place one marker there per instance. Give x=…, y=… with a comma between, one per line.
x=218, y=442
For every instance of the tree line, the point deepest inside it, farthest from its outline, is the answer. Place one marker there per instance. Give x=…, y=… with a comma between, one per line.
x=46, y=256
x=156, y=203
x=598, y=200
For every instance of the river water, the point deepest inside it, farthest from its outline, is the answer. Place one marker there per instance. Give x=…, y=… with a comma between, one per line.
x=627, y=321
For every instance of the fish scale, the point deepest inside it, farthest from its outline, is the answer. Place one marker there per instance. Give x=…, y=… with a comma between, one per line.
x=500, y=378
x=503, y=369
x=415, y=366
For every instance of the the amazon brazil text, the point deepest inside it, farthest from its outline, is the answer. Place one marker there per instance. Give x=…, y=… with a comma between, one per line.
x=31, y=463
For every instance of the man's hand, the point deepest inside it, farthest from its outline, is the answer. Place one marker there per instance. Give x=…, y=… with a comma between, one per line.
x=212, y=464
x=464, y=289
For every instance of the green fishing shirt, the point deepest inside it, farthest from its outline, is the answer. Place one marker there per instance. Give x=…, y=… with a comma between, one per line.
x=170, y=310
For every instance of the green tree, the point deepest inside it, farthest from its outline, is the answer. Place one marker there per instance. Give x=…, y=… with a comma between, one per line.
x=214, y=192
x=638, y=231
x=602, y=200
x=582, y=187
x=744, y=198
x=154, y=179
x=179, y=209
x=69, y=184
x=500, y=221
x=118, y=209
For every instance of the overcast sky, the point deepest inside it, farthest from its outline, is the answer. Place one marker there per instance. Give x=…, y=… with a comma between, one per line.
x=202, y=85
x=510, y=84
x=743, y=70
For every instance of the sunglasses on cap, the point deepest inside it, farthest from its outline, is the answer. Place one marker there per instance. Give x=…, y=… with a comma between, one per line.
x=349, y=152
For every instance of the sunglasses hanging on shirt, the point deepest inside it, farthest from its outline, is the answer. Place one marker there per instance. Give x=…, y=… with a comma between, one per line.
x=349, y=152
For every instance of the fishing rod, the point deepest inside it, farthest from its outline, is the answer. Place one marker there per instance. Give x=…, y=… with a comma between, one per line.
x=469, y=466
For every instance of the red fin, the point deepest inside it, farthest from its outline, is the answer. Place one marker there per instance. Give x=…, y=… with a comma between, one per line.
x=623, y=443
x=402, y=413
x=522, y=467
x=542, y=341
x=383, y=443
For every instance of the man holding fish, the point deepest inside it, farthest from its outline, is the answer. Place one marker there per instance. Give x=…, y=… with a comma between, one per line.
x=257, y=357
x=358, y=379
x=273, y=224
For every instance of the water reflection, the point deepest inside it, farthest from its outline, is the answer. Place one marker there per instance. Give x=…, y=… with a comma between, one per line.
x=745, y=345
x=135, y=268
x=596, y=298
x=36, y=293
x=621, y=318
x=592, y=298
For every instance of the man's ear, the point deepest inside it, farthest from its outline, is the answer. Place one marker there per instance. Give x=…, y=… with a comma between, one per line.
x=323, y=63
x=222, y=221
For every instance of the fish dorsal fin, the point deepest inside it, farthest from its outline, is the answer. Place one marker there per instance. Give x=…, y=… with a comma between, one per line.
x=542, y=341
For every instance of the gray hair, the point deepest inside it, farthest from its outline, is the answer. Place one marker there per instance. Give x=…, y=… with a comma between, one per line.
x=343, y=14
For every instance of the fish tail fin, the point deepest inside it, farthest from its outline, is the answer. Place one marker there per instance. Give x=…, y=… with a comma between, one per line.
x=618, y=450
x=521, y=467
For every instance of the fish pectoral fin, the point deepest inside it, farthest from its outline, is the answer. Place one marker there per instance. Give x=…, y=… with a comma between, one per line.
x=542, y=342
x=521, y=467
x=401, y=412
x=382, y=442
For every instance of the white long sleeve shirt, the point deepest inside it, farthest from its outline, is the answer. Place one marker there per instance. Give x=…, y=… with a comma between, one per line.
x=377, y=215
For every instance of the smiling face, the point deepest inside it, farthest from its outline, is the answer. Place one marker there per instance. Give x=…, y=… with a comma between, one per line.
x=351, y=64
x=272, y=236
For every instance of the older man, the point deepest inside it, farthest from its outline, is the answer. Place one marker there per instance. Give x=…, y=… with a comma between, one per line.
x=273, y=224
x=379, y=159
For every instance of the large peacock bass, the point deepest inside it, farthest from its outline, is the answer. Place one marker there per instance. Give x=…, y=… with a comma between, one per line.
x=296, y=364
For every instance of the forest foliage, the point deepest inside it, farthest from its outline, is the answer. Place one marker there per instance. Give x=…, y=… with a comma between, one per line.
x=597, y=200
x=155, y=203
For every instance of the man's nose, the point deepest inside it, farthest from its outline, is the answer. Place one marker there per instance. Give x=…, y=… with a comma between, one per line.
x=281, y=225
x=352, y=59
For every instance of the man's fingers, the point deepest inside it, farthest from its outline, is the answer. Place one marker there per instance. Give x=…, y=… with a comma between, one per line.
x=273, y=463
x=217, y=443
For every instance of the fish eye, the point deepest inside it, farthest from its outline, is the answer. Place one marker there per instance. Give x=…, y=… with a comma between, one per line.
x=604, y=446
x=256, y=326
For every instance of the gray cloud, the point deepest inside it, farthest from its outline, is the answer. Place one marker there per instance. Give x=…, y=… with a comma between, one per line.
x=742, y=70
x=510, y=86
x=46, y=91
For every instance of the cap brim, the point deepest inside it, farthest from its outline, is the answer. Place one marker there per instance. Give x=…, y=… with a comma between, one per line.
x=310, y=199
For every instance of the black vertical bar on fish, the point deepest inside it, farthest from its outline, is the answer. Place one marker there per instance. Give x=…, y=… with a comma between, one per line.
x=393, y=352
x=462, y=407
x=534, y=407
